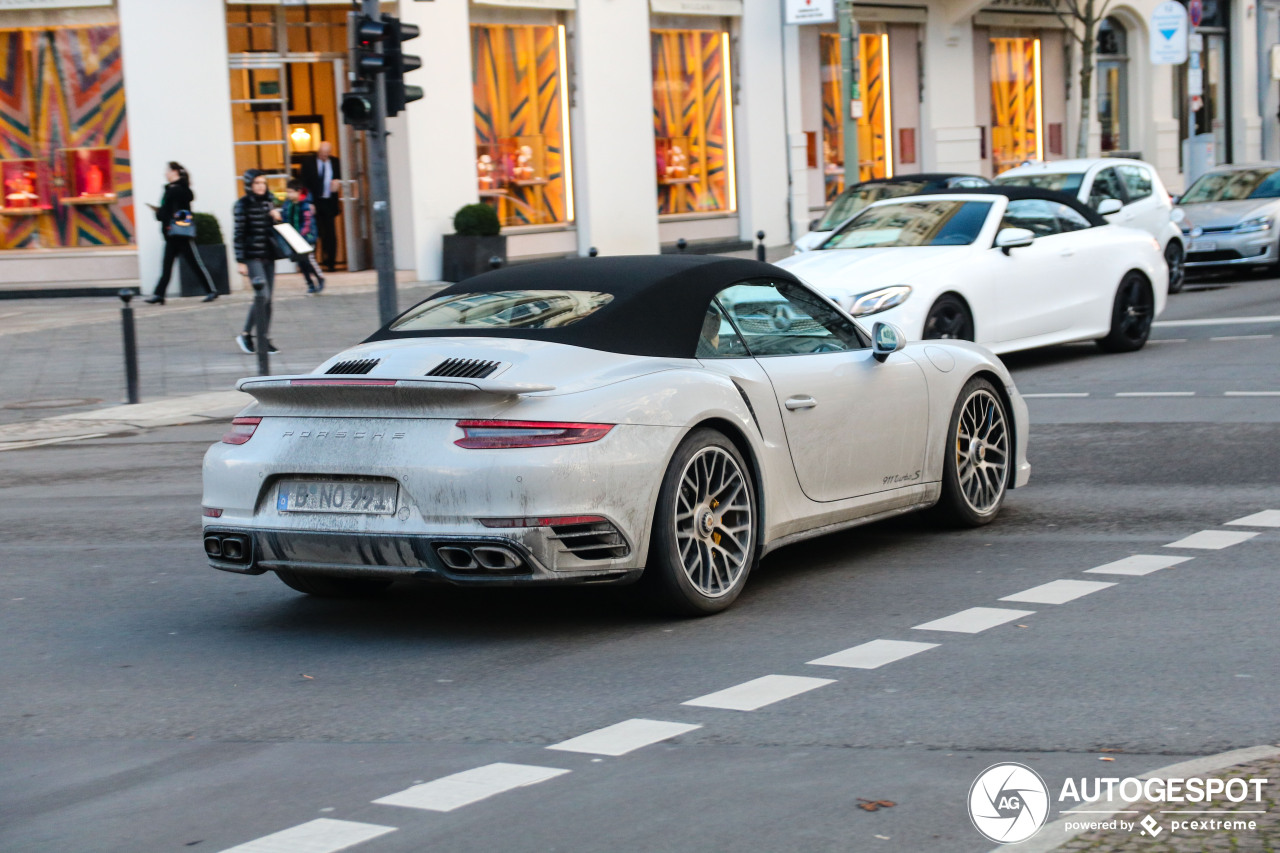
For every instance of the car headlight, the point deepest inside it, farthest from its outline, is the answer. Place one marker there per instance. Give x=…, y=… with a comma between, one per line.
x=1256, y=223
x=875, y=301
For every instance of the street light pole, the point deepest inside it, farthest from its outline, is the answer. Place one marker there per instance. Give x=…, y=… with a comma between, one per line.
x=850, y=87
x=384, y=255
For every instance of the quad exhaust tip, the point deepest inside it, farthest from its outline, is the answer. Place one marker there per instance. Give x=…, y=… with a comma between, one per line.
x=467, y=557
x=228, y=547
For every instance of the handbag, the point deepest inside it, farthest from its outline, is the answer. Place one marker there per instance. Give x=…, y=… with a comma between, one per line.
x=183, y=224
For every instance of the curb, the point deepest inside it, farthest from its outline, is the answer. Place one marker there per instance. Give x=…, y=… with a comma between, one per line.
x=1046, y=840
x=170, y=411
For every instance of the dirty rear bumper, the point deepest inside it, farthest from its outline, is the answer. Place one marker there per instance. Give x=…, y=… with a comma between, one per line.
x=391, y=556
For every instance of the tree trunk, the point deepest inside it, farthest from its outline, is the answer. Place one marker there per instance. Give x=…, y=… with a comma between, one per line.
x=1086, y=79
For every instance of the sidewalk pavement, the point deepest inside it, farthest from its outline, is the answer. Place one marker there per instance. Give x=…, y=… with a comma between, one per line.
x=65, y=378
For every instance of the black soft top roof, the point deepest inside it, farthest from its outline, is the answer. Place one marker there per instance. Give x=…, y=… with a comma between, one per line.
x=658, y=306
x=1015, y=192
x=919, y=177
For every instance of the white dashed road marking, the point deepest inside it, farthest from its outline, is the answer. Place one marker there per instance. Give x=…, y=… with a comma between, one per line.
x=1241, y=337
x=1266, y=518
x=1212, y=540
x=470, y=786
x=750, y=695
x=624, y=737
x=1218, y=321
x=974, y=620
x=1138, y=564
x=1156, y=394
x=323, y=835
x=1251, y=393
x=1057, y=592
x=874, y=654
x=1058, y=394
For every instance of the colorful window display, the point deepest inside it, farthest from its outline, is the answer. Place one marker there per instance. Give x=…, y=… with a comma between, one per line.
x=875, y=125
x=1017, y=123
x=523, y=164
x=64, y=142
x=693, y=121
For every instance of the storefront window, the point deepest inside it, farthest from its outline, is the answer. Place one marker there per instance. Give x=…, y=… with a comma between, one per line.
x=64, y=144
x=1113, y=85
x=1016, y=118
x=875, y=123
x=693, y=121
x=523, y=162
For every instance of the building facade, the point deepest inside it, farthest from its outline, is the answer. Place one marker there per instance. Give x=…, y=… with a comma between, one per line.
x=623, y=125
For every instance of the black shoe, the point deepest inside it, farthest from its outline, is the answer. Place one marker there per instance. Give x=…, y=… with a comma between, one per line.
x=154, y=300
x=320, y=284
x=271, y=348
x=312, y=290
x=244, y=340
x=210, y=297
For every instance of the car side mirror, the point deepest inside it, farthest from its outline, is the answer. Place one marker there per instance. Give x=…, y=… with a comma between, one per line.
x=1108, y=206
x=886, y=339
x=813, y=224
x=1014, y=238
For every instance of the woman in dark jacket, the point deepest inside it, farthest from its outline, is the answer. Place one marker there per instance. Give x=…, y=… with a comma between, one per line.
x=255, y=244
x=177, y=200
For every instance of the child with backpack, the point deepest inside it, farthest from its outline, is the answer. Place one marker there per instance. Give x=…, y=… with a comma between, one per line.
x=299, y=212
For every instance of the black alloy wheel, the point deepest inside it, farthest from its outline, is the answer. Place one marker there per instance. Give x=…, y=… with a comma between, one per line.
x=1131, y=315
x=948, y=319
x=1175, y=259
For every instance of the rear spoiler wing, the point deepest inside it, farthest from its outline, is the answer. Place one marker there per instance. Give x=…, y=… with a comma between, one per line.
x=282, y=389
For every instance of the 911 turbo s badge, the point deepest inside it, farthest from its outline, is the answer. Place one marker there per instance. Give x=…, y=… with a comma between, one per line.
x=902, y=478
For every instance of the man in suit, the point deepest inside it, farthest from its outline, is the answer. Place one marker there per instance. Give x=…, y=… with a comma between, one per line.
x=322, y=176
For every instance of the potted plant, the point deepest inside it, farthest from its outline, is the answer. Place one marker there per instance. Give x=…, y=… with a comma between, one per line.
x=470, y=251
x=212, y=253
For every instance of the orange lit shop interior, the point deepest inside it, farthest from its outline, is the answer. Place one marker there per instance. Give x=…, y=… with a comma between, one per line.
x=875, y=125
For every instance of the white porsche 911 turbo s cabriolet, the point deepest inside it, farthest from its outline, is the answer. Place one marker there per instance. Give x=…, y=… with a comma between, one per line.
x=666, y=420
x=1009, y=267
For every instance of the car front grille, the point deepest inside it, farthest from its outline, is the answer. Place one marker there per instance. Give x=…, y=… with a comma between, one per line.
x=1214, y=257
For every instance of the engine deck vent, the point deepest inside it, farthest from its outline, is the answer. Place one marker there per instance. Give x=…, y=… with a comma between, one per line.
x=597, y=540
x=465, y=368
x=355, y=367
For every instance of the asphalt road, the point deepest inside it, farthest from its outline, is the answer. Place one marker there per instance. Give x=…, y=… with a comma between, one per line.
x=150, y=703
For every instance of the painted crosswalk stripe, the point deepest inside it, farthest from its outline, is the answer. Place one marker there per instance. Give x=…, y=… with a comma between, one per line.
x=1266, y=518
x=1213, y=540
x=874, y=654
x=1138, y=564
x=754, y=694
x=624, y=737
x=974, y=620
x=1057, y=592
x=470, y=786
x=323, y=835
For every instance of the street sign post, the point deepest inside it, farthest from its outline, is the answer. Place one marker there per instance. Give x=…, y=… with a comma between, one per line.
x=1169, y=34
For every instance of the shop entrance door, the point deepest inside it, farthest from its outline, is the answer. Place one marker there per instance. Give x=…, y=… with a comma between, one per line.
x=1016, y=112
x=282, y=110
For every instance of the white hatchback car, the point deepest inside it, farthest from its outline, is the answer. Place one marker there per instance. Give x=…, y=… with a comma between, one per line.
x=1144, y=203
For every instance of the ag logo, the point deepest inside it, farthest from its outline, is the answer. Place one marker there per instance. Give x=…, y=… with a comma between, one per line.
x=1008, y=803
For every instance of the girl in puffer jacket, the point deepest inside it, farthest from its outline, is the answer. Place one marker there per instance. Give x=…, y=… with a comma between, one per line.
x=256, y=250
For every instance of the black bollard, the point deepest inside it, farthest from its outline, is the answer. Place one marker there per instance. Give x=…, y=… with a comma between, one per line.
x=130, y=345
x=681, y=245
x=495, y=262
x=760, y=246
x=592, y=252
x=260, y=327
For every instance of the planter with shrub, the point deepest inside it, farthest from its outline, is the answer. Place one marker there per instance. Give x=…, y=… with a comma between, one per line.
x=212, y=252
x=471, y=250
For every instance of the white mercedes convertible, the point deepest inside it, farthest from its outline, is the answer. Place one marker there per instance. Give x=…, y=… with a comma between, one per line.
x=1009, y=267
x=666, y=420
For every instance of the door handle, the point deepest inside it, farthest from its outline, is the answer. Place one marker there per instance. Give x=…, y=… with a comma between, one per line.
x=794, y=403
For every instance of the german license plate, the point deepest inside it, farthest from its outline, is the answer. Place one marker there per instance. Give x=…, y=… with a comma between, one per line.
x=1203, y=246
x=346, y=496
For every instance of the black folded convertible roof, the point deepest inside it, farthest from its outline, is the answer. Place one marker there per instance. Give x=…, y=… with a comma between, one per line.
x=658, y=306
x=1015, y=192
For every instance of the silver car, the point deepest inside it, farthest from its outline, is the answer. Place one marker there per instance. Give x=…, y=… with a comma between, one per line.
x=665, y=420
x=1229, y=216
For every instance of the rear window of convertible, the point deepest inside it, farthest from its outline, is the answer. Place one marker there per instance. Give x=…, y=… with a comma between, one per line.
x=503, y=309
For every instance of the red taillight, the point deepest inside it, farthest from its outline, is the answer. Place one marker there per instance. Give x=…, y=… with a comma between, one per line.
x=497, y=434
x=241, y=430
x=212, y=512
x=542, y=521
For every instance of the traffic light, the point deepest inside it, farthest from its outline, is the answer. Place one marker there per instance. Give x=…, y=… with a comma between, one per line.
x=397, y=63
x=357, y=108
x=364, y=33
